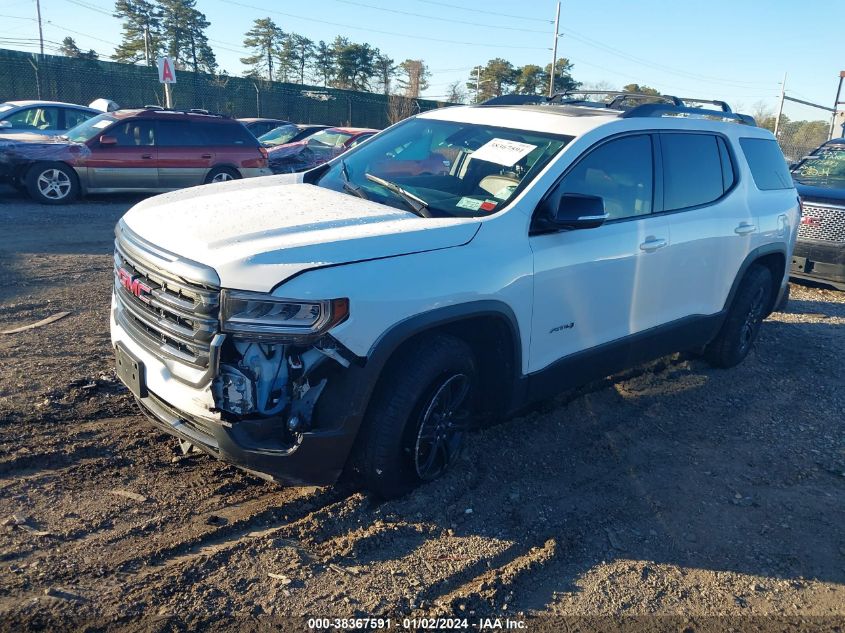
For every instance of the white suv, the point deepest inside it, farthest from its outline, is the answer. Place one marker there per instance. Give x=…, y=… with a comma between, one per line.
x=365, y=314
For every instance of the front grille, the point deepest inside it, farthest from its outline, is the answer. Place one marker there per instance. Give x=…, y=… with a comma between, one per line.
x=174, y=317
x=825, y=223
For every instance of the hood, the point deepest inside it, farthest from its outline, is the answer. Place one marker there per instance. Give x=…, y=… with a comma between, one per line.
x=288, y=149
x=830, y=191
x=257, y=233
x=29, y=147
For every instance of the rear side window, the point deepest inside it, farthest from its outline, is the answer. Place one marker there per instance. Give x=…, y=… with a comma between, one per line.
x=768, y=166
x=179, y=134
x=230, y=133
x=692, y=170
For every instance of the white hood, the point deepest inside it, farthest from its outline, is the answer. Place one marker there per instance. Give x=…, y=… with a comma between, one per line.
x=257, y=233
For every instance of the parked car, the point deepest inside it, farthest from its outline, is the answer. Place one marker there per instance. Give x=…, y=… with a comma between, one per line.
x=820, y=251
x=260, y=126
x=149, y=150
x=350, y=321
x=42, y=117
x=289, y=133
x=316, y=149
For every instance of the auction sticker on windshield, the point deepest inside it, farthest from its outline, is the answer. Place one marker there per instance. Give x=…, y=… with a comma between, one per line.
x=503, y=152
x=469, y=203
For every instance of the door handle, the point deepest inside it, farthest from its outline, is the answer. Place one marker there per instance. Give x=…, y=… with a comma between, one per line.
x=651, y=244
x=206, y=156
x=146, y=156
x=745, y=228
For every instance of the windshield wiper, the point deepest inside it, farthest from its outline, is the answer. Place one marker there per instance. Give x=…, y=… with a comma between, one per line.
x=414, y=203
x=347, y=184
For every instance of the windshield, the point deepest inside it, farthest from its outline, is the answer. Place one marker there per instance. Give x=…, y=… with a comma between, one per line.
x=455, y=169
x=328, y=138
x=824, y=168
x=90, y=128
x=279, y=136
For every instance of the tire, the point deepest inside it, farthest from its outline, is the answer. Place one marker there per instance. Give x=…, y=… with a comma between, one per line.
x=52, y=183
x=783, y=304
x=742, y=323
x=405, y=439
x=222, y=174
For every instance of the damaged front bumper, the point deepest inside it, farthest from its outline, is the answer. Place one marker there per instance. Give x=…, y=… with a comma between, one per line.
x=297, y=427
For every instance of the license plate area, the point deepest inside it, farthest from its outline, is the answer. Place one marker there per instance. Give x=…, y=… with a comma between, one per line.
x=130, y=371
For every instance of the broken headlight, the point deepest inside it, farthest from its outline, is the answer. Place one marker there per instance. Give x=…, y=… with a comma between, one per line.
x=261, y=314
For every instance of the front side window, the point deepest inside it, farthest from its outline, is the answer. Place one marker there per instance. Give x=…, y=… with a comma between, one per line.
x=692, y=170
x=134, y=133
x=446, y=167
x=37, y=118
x=620, y=172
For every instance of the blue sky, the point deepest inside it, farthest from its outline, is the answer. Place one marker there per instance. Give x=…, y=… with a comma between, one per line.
x=733, y=50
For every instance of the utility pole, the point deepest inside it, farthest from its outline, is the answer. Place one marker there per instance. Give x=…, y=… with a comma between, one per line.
x=554, y=52
x=836, y=104
x=147, y=43
x=477, y=81
x=40, y=31
x=780, y=106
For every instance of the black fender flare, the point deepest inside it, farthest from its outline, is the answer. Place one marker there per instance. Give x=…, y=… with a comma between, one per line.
x=750, y=259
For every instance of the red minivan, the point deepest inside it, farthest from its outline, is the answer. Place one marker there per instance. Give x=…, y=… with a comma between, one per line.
x=146, y=150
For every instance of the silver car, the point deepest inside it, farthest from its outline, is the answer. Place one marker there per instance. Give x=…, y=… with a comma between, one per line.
x=42, y=117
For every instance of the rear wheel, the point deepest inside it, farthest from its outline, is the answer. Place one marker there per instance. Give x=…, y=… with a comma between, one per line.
x=222, y=174
x=418, y=418
x=744, y=318
x=52, y=183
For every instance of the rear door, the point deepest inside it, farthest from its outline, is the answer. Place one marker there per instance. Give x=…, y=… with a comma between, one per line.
x=232, y=144
x=130, y=163
x=713, y=228
x=185, y=153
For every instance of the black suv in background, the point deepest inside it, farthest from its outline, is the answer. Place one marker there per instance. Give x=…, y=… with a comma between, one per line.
x=820, y=250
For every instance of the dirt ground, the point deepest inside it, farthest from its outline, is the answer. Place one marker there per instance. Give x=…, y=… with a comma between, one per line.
x=672, y=490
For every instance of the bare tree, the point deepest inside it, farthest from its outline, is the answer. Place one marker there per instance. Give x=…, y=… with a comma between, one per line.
x=400, y=107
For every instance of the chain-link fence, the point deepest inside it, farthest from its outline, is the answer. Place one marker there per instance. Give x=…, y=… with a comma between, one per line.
x=32, y=76
x=802, y=128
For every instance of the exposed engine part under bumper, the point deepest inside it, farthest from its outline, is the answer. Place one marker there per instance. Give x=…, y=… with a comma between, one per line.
x=316, y=459
x=819, y=262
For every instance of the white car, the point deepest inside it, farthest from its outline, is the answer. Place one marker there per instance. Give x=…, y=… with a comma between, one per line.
x=367, y=313
x=42, y=117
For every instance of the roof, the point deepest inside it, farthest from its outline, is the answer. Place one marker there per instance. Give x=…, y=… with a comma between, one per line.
x=262, y=120
x=25, y=103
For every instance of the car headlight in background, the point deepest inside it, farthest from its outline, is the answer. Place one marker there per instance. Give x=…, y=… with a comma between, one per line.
x=264, y=315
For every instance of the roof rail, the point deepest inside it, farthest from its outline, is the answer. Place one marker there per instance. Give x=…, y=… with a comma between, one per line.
x=615, y=99
x=663, y=109
x=156, y=108
x=153, y=107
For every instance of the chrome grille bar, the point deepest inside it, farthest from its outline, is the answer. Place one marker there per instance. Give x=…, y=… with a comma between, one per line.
x=167, y=304
x=822, y=222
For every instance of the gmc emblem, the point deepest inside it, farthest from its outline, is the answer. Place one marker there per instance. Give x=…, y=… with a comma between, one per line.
x=811, y=221
x=134, y=285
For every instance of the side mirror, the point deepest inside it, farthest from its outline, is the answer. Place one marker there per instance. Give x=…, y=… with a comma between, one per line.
x=108, y=140
x=579, y=211
x=5, y=124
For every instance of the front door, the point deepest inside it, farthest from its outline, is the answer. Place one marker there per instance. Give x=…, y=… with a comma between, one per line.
x=129, y=162
x=595, y=286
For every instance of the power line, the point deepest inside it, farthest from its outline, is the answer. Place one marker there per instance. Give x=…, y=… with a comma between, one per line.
x=362, y=28
x=433, y=17
x=91, y=7
x=504, y=15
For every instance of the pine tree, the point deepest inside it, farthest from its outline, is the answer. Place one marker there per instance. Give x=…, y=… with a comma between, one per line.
x=304, y=53
x=288, y=61
x=70, y=49
x=386, y=70
x=264, y=39
x=414, y=77
x=141, y=37
x=183, y=34
x=324, y=63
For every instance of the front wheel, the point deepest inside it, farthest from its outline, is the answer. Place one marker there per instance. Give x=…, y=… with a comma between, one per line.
x=418, y=417
x=52, y=183
x=744, y=318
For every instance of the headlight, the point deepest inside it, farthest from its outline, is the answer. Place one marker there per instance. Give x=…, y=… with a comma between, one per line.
x=264, y=315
